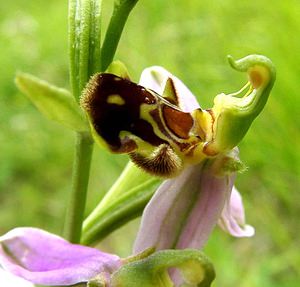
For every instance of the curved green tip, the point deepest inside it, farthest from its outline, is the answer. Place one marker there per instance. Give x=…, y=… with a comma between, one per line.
x=234, y=113
x=249, y=61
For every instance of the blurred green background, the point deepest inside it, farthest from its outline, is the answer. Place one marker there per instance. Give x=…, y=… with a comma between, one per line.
x=191, y=39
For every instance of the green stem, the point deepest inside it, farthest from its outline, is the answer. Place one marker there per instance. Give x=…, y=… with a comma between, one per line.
x=84, y=54
x=73, y=47
x=122, y=9
x=95, y=38
x=84, y=42
x=81, y=171
x=85, y=60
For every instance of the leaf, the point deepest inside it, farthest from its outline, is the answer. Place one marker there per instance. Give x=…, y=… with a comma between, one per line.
x=123, y=202
x=54, y=103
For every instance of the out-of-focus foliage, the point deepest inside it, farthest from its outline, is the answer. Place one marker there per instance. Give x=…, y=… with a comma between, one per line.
x=191, y=39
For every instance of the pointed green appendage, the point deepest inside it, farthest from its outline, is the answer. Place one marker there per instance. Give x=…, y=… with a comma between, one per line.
x=234, y=113
x=195, y=270
x=54, y=103
x=169, y=91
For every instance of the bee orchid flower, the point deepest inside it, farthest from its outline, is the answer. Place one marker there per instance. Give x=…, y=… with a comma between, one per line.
x=160, y=124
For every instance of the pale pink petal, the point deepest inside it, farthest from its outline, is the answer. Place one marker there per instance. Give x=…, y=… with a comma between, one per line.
x=184, y=210
x=155, y=78
x=233, y=217
x=43, y=258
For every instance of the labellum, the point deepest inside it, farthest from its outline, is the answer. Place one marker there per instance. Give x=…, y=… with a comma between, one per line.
x=155, y=132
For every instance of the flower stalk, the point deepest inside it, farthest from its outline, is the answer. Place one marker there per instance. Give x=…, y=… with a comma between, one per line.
x=77, y=201
x=86, y=58
x=84, y=42
x=122, y=9
x=84, y=50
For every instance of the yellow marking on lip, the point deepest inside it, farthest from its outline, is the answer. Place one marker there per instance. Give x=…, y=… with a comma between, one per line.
x=115, y=99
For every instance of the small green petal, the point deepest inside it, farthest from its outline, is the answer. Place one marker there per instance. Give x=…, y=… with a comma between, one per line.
x=234, y=113
x=54, y=103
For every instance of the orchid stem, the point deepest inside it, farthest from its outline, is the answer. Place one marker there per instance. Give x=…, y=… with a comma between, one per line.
x=86, y=59
x=81, y=171
x=122, y=9
x=84, y=53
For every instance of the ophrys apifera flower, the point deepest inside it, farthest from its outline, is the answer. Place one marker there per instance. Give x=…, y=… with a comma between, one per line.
x=160, y=124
